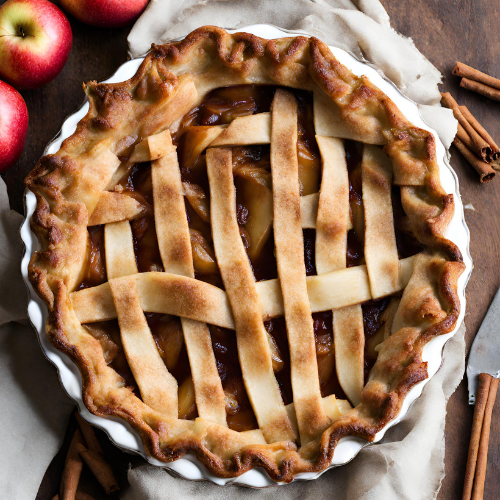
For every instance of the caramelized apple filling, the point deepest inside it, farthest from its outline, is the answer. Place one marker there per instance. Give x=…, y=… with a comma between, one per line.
x=254, y=199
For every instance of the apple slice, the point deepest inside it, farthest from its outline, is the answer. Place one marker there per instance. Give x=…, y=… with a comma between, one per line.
x=276, y=355
x=246, y=130
x=344, y=406
x=169, y=339
x=253, y=186
x=114, y=207
x=309, y=169
x=187, y=402
x=203, y=254
x=198, y=139
x=198, y=200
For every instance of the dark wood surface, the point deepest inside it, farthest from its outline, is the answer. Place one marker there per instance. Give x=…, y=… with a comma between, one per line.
x=445, y=32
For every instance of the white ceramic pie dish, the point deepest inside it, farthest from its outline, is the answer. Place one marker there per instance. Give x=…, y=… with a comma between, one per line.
x=189, y=467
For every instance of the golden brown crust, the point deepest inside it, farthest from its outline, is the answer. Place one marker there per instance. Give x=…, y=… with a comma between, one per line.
x=114, y=207
x=288, y=240
x=173, y=78
x=253, y=345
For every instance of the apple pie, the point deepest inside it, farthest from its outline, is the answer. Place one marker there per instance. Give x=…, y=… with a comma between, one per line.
x=243, y=250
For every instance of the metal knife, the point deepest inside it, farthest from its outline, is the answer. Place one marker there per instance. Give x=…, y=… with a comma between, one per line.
x=483, y=372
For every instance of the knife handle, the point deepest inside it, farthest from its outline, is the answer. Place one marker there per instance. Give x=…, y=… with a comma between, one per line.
x=478, y=448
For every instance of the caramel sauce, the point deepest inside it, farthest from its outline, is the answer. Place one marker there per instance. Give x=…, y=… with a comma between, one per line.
x=372, y=321
x=139, y=185
x=95, y=273
x=221, y=106
x=240, y=416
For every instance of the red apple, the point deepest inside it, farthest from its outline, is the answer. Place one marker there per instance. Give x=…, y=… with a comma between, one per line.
x=105, y=13
x=35, y=40
x=13, y=125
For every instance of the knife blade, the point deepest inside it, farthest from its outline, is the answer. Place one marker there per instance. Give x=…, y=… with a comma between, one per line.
x=484, y=355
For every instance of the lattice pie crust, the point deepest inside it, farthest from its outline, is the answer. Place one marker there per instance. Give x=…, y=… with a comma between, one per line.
x=136, y=125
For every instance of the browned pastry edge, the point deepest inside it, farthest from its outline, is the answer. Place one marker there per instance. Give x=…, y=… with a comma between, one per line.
x=60, y=222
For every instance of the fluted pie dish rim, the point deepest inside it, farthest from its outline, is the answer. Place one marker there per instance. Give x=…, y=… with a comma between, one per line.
x=454, y=287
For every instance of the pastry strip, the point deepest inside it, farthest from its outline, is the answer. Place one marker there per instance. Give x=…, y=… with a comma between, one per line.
x=119, y=249
x=246, y=130
x=162, y=293
x=349, y=340
x=330, y=121
x=159, y=117
x=333, y=207
x=309, y=211
x=114, y=207
x=158, y=387
x=311, y=417
x=151, y=148
x=253, y=346
x=208, y=391
x=331, y=250
x=175, y=249
x=381, y=252
x=166, y=293
x=170, y=214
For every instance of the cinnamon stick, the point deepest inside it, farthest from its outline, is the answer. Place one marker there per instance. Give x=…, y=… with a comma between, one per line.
x=88, y=434
x=477, y=425
x=72, y=469
x=464, y=137
x=482, y=457
x=480, y=88
x=481, y=147
x=478, y=127
x=465, y=71
x=486, y=173
x=100, y=468
x=481, y=131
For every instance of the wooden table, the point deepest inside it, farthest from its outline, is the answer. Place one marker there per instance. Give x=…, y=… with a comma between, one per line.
x=442, y=31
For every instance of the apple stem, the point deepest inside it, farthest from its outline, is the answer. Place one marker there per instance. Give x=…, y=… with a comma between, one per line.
x=22, y=32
